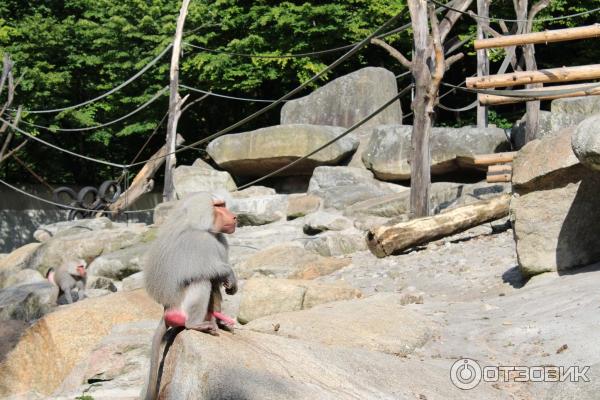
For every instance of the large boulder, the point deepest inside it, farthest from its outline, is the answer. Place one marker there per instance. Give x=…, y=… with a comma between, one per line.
x=119, y=264
x=324, y=221
x=15, y=262
x=259, y=152
x=336, y=244
x=556, y=210
x=442, y=195
x=340, y=187
x=260, y=210
x=586, y=142
x=301, y=204
x=27, y=302
x=75, y=243
x=355, y=323
x=388, y=152
x=58, y=341
x=257, y=366
x=263, y=296
x=571, y=111
x=189, y=179
x=347, y=100
x=45, y=232
x=518, y=131
x=284, y=261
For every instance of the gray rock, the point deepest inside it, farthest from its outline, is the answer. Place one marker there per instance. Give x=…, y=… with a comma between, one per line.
x=581, y=389
x=259, y=152
x=443, y=195
x=261, y=297
x=252, y=366
x=260, y=210
x=134, y=281
x=187, y=180
x=101, y=282
x=300, y=205
x=27, y=302
x=324, y=221
x=571, y=111
x=331, y=244
x=45, y=232
x=253, y=191
x=355, y=323
x=200, y=163
x=347, y=100
x=162, y=211
x=287, y=260
x=119, y=264
x=388, y=151
x=16, y=261
x=586, y=142
x=340, y=187
x=517, y=132
x=23, y=277
x=77, y=244
x=556, y=210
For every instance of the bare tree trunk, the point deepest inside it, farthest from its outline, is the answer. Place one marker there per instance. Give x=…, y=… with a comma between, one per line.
x=483, y=63
x=175, y=103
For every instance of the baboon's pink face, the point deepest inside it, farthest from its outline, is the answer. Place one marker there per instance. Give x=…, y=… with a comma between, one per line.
x=225, y=220
x=81, y=270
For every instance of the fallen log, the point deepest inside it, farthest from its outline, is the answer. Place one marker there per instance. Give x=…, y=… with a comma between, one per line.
x=498, y=178
x=494, y=158
x=387, y=240
x=142, y=183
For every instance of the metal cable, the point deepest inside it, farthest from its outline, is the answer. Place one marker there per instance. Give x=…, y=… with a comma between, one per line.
x=29, y=135
x=224, y=96
x=113, y=90
x=241, y=122
x=465, y=108
x=475, y=16
x=340, y=136
x=90, y=128
x=524, y=93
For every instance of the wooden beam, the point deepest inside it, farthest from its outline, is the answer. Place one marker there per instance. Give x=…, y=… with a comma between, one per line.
x=556, y=35
x=564, y=74
x=500, y=169
x=497, y=178
x=494, y=158
x=391, y=239
x=483, y=62
x=142, y=183
x=493, y=100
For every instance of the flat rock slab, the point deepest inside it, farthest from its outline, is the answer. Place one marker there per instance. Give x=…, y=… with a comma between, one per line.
x=27, y=302
x=571, y=111
x=586, y=142
x=388, y=151
x=252, y=365
x=347, y=100
x=259, y=152
x=380, y=323
x=263, y=296
x=189, y=179
x=14, y=262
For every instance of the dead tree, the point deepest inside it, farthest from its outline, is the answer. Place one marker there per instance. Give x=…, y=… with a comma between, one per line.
x=6, y=135
x=428, y=65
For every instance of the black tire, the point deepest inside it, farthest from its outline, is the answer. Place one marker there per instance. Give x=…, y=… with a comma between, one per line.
x=87, y=196
x=76, y=214
x=109, y=191
x=64, y=195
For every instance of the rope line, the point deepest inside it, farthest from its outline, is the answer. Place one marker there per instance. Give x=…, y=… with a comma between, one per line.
x=90, y=128
x=113, y=90
x=475, y=16
x=224, y=96
x=465, y=108
x=29, y=135
x=263, y=110
x=329, y=143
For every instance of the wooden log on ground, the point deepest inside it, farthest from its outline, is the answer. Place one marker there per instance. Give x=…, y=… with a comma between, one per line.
x=564, y=74
x=493, y=100
x=500, y=169
x=386, y=240
x=555, y=35
x=494, y=158
x=142, y=183
x=498, y=178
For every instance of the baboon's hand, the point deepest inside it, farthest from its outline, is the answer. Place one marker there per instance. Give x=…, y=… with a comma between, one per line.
x=230, y=285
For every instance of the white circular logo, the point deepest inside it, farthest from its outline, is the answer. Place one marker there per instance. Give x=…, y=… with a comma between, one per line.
x=465, y=374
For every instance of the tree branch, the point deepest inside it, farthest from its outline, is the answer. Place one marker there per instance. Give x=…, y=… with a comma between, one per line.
x=451, y=17
x=535, y=9
x=10, y=133
x=393, y=52
x=438, y=52
x=13, y=151
x=452, y=59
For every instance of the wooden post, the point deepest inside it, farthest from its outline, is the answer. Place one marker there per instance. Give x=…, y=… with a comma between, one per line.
x=555, y=35
x=483, y=63
x=175, y=103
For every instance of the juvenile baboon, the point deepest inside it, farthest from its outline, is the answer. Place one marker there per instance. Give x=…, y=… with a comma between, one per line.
x=71, y=278
x=187, y=264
